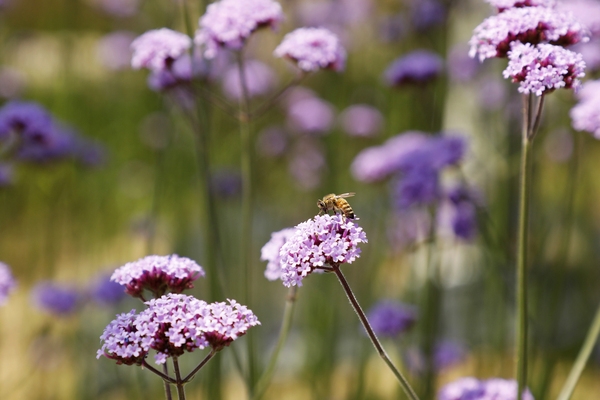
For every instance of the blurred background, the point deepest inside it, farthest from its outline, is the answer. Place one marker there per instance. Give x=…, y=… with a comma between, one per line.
x=133, y=189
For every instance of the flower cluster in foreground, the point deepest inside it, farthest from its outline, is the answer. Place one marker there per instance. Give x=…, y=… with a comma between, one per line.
x=158, y=274
x=270, y=252
x=474, y=389
x=172, y=325
x=322, y=241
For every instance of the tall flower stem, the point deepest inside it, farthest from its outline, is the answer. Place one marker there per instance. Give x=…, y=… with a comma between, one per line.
x=528, y=132
x=168, y=395
x=246, y=238
x=588, y=345
x=180, y=383
x=363, y=319
x=288, y=313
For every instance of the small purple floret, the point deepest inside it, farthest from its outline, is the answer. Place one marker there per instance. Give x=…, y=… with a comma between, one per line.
x=417, y=67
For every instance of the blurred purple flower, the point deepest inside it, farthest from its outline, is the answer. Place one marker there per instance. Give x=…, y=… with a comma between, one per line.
x=418, y=186
x=461, y=67
x=590, y=52
x=306, y=164
x=105, y=292
x=543, y=68
x=426, y=14
x=417, y=67
x=157, y=49
x=114, y=50
x=55, y=299
x=158, y=274
x=29, y=119
x=586, y=12
x=313, y=49
x=392, y=28
x=390, y=318
x=270, y=252
x=585, y=115
x=339, y=12
x=226, y=183
x=12, y=82
x=6, y=174
x=260, y=79
x=463, y=218
x=474, y=389
x=361, y=120
x=7, y=283
x=272, y=142
x=534, y=25
x=445, y=354
x=324, y=240
x=311, y=115
x=229, y=23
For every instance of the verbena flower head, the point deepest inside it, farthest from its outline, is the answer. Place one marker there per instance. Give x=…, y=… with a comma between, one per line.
x=474, y=389
x=270, y=252
x=104, y=291
x=361, y=120
x=493, y=37
x=425, y=14
x=311, y=115
x=26, y=118
x=324, y=240
x=158, y=274
x=313, y=49
x=417, y=67
x=158, y=48
x=502, y=5
x=229, y=23
x=585, y=115
x=391, y=318
x=543, y=68
x=7, y=282
x=123, y=342
x=55, y=299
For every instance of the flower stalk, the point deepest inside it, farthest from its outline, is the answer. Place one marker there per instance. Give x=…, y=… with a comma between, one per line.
x=363, y=319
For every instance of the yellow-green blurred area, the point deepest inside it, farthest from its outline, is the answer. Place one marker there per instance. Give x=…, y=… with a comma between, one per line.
x=67, y=223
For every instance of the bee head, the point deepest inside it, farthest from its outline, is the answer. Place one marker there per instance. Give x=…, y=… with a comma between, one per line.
x=321, y=205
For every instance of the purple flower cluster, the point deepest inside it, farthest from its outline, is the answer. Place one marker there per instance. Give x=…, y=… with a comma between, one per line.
x=493, y=37
x=157, y=49
x=416, y=160
x=445, y=354
x=313, y=49
x=7, y=282
x=29, y=133
x=56, y=299
x=172, y=325
x=105, y=292
x=391, y=318
x=229, y=23
x=322, y=241
x=417, y=67
x=585, y=115
x=158, y=274
x=463, y=218
x=361, y=120
x=474, y=389
x=311, y=115
x=270, y=252
x=543, y=68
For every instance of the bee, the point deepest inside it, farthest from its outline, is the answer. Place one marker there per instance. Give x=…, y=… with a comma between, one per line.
x=336, y=202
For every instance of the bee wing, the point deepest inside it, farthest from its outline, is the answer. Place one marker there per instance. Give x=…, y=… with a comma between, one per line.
x=346, y=195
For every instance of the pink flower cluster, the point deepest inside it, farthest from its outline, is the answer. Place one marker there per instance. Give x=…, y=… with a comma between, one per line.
x=158, y=48
x=322, y=241
x=312, y=49
x=229, y=23
x=543, y=68
x=172, y=325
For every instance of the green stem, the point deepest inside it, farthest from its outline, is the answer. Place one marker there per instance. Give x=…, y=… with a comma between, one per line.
x=363, y=318
x=588, y=345
x=431, y=311
x=168, y=395
x=246, y=239
x=180, y=383
x=288, y=313
x=522, y=252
